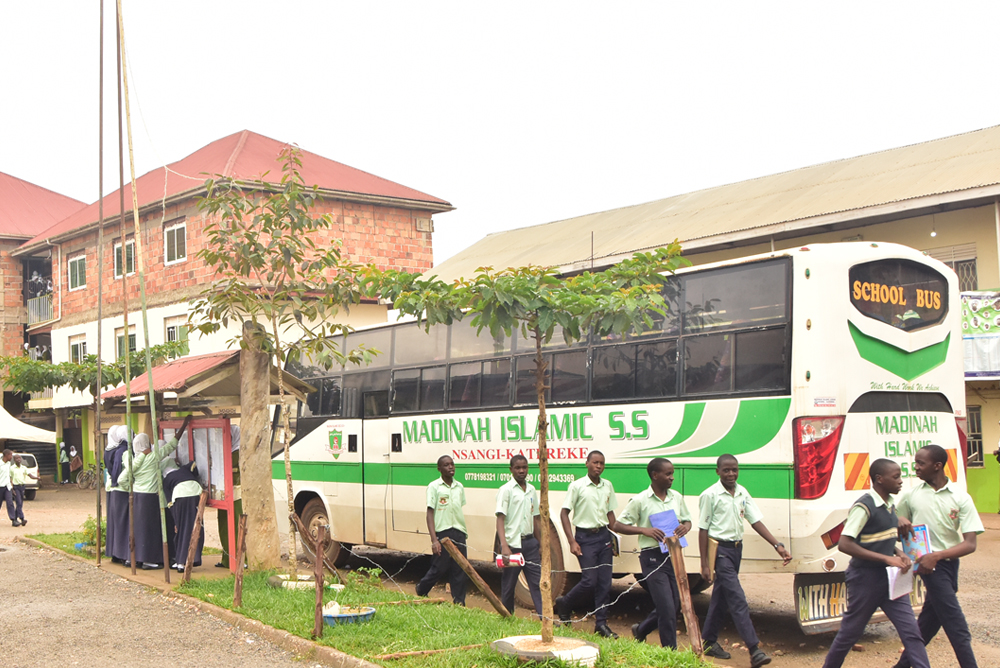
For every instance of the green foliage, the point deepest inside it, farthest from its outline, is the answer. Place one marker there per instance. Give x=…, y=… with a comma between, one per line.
x=407, y=628
x=271, y=271
x=537, y=300
x=26, y=375
x=88, y=530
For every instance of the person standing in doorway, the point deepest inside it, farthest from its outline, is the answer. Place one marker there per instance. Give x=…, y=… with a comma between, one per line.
x=592, y=502
x=63, y=464
x=953, y=524
x=518, y=530
x=722, y=508
x=446, y=519
x=869, y=537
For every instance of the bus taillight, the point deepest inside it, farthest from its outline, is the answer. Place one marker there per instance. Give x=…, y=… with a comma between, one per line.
x=816, y=444
x=963, y=439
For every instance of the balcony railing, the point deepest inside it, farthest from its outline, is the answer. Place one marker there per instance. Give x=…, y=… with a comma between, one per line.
x=40, y=309
x=44, y=394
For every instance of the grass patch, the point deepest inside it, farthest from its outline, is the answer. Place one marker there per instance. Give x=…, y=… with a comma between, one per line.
x=65, y=542
x=406, y=628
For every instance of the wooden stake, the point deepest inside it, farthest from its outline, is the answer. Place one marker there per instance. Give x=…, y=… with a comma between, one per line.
x=416, y=601
x=683, y=588
x=241, y=546
x=306, y=537
x=195, y=536
x=318, y=576
x=403, y=655
x=464, y=564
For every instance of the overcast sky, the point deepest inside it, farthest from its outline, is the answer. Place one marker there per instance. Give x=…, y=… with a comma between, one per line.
x=516, y=113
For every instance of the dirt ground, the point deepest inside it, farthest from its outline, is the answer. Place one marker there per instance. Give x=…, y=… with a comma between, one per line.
x=60, y=612
x=60, y=509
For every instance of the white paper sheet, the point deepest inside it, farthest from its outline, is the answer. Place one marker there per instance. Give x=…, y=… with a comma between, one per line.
x=900, y=584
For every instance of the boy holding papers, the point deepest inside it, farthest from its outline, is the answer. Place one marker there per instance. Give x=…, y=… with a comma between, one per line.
x=721, y=511
x=657, y=571
x=953, y=523
x=869, y=538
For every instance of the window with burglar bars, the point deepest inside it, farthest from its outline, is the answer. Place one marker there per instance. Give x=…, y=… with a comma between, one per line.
x=975, y=436
x=962, y=260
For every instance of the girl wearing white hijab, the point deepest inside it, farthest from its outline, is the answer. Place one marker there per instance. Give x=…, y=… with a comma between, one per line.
x=116, y=540
x=142, y=476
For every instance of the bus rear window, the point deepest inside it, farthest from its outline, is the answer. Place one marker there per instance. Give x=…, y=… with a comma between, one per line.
x=901, y=293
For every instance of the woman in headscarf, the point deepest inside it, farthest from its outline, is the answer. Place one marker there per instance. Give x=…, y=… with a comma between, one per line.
x=116, y=539
x=182, y=490
x=141, y=475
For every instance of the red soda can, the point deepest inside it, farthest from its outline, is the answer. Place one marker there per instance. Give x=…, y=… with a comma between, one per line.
x=512, y=560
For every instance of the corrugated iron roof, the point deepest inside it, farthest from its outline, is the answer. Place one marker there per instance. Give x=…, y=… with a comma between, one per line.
x=698, y=219
x=173, y=375
x=27, y=209
x=245, y=155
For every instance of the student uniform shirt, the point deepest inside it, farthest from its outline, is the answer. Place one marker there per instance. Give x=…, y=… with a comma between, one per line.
x=18, y=475
x=641, y=506
x=5, y=474
x=519, y=508
x=722, y=513
x=181, y=489
x=145, y=470
x=447, y=503
x=947, y=512
x=590, y=503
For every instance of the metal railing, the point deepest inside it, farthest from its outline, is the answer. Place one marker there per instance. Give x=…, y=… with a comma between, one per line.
x=40, y=309
x=44, y=394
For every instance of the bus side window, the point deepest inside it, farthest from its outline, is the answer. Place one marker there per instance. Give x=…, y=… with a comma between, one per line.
x=352, y=442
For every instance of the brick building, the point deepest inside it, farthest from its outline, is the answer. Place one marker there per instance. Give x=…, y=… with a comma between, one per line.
x=376, y=219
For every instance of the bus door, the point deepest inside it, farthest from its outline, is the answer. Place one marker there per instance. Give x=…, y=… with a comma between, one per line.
x=375, y=467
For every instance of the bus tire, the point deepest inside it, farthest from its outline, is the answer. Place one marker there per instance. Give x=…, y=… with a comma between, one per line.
x=29, y=494
x=697, y=584
x=560, y=578
x=313, y=517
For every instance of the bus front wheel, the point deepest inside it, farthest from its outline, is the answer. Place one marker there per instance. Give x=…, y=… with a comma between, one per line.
x=560, y=578
x=314, y=516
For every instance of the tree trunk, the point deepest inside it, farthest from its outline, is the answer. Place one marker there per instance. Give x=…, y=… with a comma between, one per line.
x=545, y=585
x=263, y=547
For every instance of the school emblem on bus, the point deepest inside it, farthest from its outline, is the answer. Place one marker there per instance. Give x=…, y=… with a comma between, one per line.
x=336, y=442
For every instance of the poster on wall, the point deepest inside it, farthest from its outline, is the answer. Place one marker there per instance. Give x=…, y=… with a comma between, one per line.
x=981, y=334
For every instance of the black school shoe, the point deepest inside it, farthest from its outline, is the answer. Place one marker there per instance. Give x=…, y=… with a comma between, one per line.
x=715, y=649
x=605, y=631
x=562, y=611
x=759, y=658
x=635, y=634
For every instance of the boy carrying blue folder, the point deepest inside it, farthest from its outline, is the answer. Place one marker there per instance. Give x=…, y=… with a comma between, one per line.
x=657, y=572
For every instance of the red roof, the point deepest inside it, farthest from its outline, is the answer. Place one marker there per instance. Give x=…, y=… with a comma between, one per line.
x=27, y=209
x=245, y=155
x=172, y=376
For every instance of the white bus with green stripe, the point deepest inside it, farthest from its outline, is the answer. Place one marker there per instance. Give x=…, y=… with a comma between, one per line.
x=806, y=364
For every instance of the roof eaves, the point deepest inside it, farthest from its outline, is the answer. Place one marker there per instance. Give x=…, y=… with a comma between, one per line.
x=861, y=216
x=87, y=227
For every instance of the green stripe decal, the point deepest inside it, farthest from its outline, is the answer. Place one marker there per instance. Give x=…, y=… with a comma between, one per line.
x=693, y=413
x=765, y=481
x=757, y=423
x=896, y=360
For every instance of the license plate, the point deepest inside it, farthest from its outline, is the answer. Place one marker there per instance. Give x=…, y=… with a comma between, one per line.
x=821, y=601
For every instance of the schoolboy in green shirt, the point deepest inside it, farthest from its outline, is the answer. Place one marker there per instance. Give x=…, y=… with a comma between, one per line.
x=18, y=479
x=721, y=511
x=592, y=502
x=953, y=524
x=657, y=572
x=446, y=519
x=518, y=529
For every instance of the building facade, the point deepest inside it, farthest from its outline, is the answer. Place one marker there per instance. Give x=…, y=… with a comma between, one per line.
x=375, y=221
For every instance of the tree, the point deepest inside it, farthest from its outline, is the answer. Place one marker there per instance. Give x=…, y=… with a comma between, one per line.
x=537, y=301
x=284, y=287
